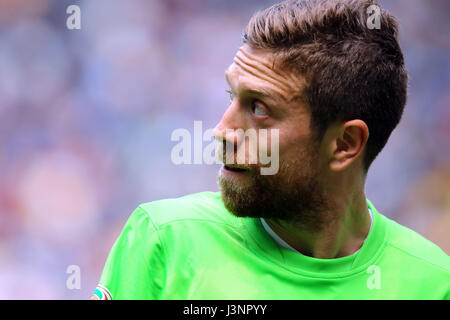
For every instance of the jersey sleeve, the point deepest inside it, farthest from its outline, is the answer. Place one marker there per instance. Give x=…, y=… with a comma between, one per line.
x=134, y=268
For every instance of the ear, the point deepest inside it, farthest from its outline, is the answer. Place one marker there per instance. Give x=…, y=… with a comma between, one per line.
x=348, y=144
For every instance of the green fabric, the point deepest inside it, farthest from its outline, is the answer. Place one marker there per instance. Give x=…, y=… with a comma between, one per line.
x=193, y=248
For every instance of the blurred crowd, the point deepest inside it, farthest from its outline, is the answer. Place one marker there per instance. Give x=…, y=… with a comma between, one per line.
x=86, y=118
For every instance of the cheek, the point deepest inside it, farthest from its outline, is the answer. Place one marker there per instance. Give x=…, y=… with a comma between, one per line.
x=292, y=146
x=298, y=156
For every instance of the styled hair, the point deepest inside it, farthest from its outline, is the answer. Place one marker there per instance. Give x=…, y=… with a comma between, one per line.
x=351, y=71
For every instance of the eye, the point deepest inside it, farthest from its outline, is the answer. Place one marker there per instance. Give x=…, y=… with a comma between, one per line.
x=231, y=95
x=258, y=109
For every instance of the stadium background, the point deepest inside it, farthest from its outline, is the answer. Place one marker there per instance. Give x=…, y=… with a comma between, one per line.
x=86, y=117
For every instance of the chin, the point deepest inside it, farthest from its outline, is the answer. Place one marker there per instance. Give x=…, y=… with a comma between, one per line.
x=235, y=196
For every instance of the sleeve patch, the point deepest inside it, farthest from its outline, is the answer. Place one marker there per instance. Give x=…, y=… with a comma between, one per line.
x=101, y=293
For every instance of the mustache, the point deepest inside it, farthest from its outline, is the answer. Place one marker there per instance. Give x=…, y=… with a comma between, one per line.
x=227, y=153
x=249, y=156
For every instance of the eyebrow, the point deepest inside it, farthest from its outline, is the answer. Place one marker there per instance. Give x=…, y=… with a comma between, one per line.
x=262, y=92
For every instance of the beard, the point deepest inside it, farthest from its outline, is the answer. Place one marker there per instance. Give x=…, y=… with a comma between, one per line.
x=294, y=194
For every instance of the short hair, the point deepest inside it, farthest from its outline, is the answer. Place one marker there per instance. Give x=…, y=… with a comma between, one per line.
x=351, y=71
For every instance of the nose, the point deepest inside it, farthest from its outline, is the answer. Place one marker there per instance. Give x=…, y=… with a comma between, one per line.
x=225, y=130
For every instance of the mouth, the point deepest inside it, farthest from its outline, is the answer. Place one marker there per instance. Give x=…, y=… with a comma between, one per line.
x=235, y=168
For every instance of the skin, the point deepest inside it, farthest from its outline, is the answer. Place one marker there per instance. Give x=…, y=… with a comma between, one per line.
x=334, y=164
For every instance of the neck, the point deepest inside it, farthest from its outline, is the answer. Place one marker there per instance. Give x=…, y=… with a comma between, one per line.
x=341, y=233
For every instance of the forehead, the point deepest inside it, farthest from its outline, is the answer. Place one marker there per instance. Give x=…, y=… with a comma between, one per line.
x=256, y=69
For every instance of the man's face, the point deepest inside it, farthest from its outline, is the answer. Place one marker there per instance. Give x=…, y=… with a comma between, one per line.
x=263, y=97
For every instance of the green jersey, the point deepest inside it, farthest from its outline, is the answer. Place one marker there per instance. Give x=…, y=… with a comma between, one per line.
x=194, y=248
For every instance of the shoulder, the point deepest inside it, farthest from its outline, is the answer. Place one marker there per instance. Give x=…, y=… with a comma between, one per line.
x=406, y=242
x=203, y=206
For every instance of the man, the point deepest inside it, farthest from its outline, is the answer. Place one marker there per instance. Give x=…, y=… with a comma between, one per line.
x=333, y=90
